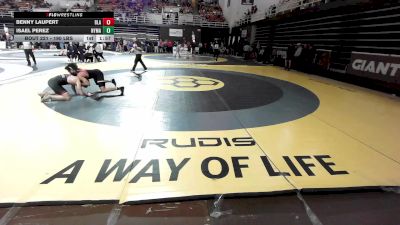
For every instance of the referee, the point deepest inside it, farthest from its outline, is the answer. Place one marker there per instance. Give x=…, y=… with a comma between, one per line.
x=28, y=52
x=138, y=52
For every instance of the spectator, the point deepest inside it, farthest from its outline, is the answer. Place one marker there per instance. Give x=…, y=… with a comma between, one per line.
x=70, y=52
x=289, y=57
x=81, y=52
x=216, y=50
x=298, y=54
x=211, y=12
x=309, y=55
x=89, y=53
x=247, y=50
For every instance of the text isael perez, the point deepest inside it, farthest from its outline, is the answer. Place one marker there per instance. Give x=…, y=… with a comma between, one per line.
x=32, y=30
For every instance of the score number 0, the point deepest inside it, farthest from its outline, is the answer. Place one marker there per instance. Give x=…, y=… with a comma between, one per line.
x=108, y=22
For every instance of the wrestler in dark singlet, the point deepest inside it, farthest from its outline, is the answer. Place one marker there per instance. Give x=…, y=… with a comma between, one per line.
x=96, y=75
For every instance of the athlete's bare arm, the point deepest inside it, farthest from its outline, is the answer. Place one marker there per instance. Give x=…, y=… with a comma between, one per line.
x=85, y=82
x=78, y=85
x=83, y=73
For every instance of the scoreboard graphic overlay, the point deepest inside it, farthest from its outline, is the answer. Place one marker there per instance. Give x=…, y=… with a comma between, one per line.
x=64, y=26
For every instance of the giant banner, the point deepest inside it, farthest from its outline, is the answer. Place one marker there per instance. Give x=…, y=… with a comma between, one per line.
x=375, y=66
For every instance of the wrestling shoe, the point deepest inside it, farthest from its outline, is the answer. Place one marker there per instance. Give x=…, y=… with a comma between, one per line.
x=122, y=89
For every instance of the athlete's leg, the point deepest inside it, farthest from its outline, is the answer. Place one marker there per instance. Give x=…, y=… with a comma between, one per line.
x=56, y=97
x=104, y=89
